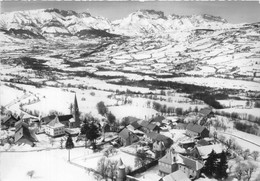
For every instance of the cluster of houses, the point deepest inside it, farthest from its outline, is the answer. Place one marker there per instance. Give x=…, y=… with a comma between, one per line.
x=54, y=125
x=181, y=161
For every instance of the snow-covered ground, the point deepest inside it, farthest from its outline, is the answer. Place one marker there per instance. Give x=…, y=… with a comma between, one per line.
x=48, y=166
x=135, y=111
x=253, y=111
x=217, y=82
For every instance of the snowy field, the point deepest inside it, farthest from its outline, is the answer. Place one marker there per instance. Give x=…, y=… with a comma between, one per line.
x=217, y=82
x=135, y=111
x=244, y=142
x=48, y=166
x=91, y=160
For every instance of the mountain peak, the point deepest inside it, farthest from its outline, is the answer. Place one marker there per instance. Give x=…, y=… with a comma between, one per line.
x=213, y=18
x=147, y=13
x=64, y=13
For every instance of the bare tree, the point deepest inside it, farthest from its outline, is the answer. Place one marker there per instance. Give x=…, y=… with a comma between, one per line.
x=249, y=169
x=245, y=154
x=107, y=168
x=102, y=167
x=239, y=171
x=142, y=158
x=30, y=173
x=255, y=155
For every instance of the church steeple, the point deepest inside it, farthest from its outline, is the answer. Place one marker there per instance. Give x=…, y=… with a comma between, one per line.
x=76, y=112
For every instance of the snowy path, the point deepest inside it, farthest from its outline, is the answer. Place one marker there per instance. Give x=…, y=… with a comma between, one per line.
x=241, y=138
x=244, y=143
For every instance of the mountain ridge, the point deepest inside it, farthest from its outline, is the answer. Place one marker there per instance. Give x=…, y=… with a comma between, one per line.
x=55, y=22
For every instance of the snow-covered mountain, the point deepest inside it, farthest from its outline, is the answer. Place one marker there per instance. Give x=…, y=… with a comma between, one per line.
x=152, y=22
x=53, y=22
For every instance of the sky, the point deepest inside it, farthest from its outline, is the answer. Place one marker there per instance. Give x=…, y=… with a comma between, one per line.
x=233, y=11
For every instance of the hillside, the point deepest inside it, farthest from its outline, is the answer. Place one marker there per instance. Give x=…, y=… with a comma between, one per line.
x=146, y=45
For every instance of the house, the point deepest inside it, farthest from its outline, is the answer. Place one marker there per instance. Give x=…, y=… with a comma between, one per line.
x=202, y=152
x=206, y=112
x=23, y=135
x=130, y=119
x=149, y=127
x=194, y=130
x=8, y=121
x=67, y=120
x=173, y=161
x=178, y=175
x=157, y=120
x=136, y=131
x=153, y=136
x=55, y=128
x=28, y=118
x=135, y=125
x=127, y=137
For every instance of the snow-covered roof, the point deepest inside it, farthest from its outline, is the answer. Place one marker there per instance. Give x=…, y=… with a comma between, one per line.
x=195, y=128
x=55, y=123
x=205, y=111
x=204, y=151
x=180, y=159
x=24, y=132
x=125, y=133
x=179, y=175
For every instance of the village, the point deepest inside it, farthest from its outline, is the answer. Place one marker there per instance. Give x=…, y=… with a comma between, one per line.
x=155, y=94
x=165, y=147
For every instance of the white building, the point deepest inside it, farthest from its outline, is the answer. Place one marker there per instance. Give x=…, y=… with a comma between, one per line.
x=55, y=128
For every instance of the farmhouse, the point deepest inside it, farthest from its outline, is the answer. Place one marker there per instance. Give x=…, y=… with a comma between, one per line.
x=23, y=135
x=194, y=130
x=173, y=161
x=55, y=128
x=202, y=152
x=127, y=137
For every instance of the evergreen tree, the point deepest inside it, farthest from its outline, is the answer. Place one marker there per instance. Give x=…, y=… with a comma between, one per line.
x=102, y=109
x=69, y=145
x=93, y=133
x=211, y=164
x=85, y=127
x=142, y=158
x=222, y=166
x=111, y=118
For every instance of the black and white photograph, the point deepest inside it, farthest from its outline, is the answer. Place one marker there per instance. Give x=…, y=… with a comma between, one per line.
x=130, y=90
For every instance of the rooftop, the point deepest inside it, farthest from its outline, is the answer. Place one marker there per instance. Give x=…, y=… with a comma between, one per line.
x=195, y=128
x=176, y=176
